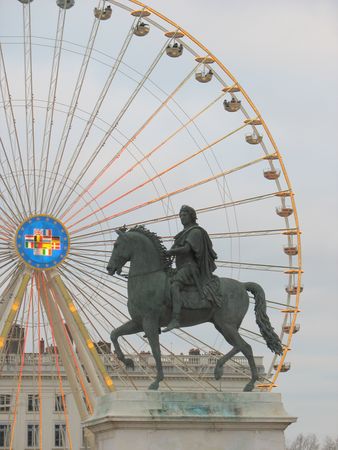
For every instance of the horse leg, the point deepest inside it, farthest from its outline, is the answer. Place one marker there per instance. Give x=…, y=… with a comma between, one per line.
x=150, y=327
x=127, y=328
x=218, y=372
x=232, y=335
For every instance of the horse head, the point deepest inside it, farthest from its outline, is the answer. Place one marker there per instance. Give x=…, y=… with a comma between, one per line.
x=121, y=253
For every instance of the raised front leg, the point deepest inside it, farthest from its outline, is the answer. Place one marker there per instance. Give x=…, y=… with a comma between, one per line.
x=127, y=328
x=151, y=328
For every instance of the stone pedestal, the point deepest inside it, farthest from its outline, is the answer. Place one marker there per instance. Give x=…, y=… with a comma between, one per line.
x=150, y=420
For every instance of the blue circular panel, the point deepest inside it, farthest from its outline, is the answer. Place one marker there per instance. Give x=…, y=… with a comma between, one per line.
x=42, y=242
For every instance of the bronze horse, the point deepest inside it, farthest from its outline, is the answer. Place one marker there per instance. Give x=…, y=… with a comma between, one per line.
x=150, y=308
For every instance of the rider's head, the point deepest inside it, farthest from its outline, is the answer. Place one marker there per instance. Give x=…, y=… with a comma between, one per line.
x=190, y=211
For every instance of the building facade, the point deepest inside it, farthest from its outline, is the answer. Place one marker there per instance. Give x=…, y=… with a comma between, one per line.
x=46, y=425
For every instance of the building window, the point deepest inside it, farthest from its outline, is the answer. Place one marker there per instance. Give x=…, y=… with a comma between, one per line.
x=33, y=402
x=5, y=435
x=5, y=402
x=59, y=405
x=60, y=435
x=32, y=435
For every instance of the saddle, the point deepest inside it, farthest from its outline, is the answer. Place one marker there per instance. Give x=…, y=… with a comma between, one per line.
x=191, y=297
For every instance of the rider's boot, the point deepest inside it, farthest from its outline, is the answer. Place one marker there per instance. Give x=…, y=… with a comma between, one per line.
x=177, y=305
x=174, y=323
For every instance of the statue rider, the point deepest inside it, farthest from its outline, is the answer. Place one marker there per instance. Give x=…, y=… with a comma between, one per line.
x=195, y=263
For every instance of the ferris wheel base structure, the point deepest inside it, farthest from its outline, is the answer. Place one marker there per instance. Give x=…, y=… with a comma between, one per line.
x=189, y=421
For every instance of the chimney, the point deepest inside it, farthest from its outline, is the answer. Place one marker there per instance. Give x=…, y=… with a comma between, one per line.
x=42, y=346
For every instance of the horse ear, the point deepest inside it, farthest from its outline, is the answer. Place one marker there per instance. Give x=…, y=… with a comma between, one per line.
x=121, y=231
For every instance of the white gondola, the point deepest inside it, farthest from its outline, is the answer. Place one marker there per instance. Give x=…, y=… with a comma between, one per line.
x=141, y=29
x=253, y=138
x=103, y=14
x=284, y=211
x=174, y=50
x=291, y=250
x=233, y=105
x=292, y=290
x=271, y=174
x=285, y=367
x=204, y=76
x=66, y=4
x=295, y=328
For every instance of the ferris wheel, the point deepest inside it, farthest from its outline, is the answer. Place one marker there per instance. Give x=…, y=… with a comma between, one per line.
x=114, y=115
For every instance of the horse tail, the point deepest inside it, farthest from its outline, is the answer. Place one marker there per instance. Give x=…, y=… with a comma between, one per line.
x=262, y=320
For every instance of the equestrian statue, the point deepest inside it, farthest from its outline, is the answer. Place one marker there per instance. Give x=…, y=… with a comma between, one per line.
x=160, y=296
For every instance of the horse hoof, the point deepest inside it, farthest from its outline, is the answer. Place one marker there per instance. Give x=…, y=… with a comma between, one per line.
x=129, y=363
x=249, y=387
x=154, y=386
x=218, y=373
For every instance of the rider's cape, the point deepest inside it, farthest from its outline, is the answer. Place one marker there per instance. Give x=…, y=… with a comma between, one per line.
x=205, y=256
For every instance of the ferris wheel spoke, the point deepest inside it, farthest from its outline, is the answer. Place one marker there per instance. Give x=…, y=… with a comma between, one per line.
x=100, y=284
x=97, y=267
x=53, y=84
x=56, y=336
x=155, y=200
x=89, y=315
x=253, y=335
x=29, y=105
x=22, y=363
x=97, y=307
x=213, y=352
x=74, y=101
x=10, y=222
x=179, y=364
x=101, y=99
x=99, y=102
x=9, y=261
x=118, y=118
x=154, y=220
x=104, y=316
x=13, y=135
x=85, y=250
x=75, y=283
x=10, y=272
x=99, y=287
x=158, y=175
x=124, y=147
x=55, y=161
x=234, y=234
x=254, y=266
x=63, y=329
x=184, y=368
x=108, y=133
x=7, y=228
x=8, y=192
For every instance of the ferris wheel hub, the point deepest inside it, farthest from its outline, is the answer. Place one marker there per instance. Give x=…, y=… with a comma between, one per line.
x=42, y=242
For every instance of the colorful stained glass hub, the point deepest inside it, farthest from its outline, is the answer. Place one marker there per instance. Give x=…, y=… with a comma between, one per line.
x=42, y=242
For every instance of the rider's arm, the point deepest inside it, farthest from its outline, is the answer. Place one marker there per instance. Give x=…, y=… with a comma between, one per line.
x=180, y=250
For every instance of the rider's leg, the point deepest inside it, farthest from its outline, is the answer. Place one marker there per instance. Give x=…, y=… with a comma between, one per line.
x=177, y=306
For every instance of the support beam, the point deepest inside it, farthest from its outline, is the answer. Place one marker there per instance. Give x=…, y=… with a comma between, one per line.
x=11, y=303
x=65, y=352
x=94, y=366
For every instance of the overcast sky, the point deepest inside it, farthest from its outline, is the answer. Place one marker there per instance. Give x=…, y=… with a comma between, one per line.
x=285, y=54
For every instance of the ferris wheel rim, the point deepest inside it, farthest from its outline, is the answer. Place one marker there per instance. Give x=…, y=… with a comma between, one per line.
x=266, y=129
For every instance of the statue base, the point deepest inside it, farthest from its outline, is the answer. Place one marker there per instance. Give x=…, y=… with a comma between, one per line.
x=152, y=420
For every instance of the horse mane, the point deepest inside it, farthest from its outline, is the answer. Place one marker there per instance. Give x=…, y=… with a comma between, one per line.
x=157, y=241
